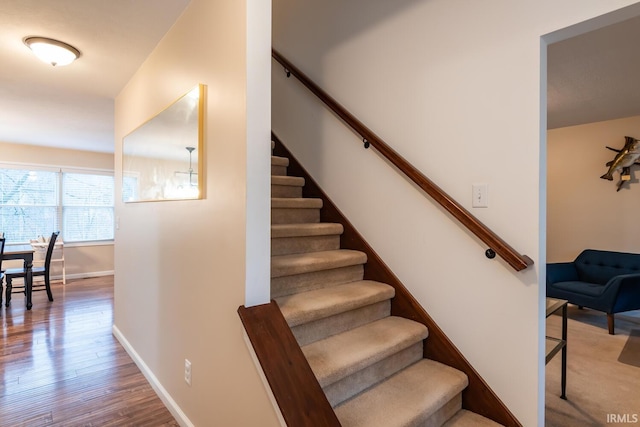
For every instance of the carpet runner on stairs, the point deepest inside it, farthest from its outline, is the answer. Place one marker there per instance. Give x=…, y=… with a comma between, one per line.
x=370, y=364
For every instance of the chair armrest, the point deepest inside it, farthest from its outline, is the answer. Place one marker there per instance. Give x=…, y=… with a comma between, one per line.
x=622, y=293
x=561, y=272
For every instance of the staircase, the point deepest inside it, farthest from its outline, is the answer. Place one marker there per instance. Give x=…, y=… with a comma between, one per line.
x=369, y=364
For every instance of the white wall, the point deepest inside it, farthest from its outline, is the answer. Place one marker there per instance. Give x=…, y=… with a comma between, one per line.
x=181, y=267
x=81, y=260
x=454, y=87
x=584, y=211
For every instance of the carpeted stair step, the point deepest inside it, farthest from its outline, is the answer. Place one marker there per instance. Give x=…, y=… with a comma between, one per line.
x=287, y=285
x=286, y=186
x=301, y=238
x=426, y=393
x=289, y=265
x=321, y=313
x=350, y=358
x=279, y=165
x=295, y=210
x=466, y=418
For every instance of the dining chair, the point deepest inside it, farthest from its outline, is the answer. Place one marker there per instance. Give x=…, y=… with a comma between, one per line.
x=12, y=273
x=2, y=240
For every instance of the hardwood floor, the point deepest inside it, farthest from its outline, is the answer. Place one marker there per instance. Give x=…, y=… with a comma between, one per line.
x=61, y=366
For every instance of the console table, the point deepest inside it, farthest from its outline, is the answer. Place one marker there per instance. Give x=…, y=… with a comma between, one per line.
x=554, y=345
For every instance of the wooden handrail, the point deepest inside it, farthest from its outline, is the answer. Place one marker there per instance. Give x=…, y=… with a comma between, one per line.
x=496, y=244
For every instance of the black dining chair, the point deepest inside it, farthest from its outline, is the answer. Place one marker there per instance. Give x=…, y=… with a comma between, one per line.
x=12, y=273
x=2, y=240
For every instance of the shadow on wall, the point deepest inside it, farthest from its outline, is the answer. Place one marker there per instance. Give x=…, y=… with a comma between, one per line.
x=323, y=26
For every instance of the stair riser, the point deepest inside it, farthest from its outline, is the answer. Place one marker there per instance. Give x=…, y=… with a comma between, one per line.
x=294, y=215
x=443, y=414
x=286, y=191
x=278, y=170
x=288, y=285
x=348, y=387
x=299, y=245
x=313, y=331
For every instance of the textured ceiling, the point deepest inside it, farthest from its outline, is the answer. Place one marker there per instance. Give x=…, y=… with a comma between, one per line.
x=72, y=106
x=592, y=77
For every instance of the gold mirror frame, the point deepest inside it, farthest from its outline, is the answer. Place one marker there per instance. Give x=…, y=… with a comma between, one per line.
x=162, y=158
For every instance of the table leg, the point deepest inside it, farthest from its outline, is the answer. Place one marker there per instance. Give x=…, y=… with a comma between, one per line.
x=28, y=280
x=564, y=353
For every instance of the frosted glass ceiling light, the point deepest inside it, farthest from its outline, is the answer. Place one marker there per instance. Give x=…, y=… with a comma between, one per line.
x=52, y=51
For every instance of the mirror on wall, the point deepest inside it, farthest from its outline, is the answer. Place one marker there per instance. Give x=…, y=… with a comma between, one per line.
x=161, y=158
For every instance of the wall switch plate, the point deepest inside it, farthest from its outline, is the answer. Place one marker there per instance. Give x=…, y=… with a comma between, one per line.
x=187, y=371
x=480, y=196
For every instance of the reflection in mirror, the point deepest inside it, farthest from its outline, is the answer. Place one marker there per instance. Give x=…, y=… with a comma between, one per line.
x=160, y=159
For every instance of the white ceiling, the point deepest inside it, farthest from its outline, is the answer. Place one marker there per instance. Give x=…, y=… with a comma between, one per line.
x=591, y=77
x=72, y=106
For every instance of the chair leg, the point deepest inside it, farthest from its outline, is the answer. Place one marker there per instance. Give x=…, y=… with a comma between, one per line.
x=610, y=322
x=1, y=289
x=47, y=284
x=8, y=292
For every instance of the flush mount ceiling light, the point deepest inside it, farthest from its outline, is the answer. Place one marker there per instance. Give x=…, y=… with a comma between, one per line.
x=52, y=51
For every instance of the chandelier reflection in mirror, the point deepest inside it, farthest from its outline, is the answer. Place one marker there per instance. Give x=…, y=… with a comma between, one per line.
x=154, y=164
x=191, y=184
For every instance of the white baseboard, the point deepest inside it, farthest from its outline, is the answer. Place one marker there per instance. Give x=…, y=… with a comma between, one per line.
x=58, y=277
x=162, y=393
x=85, y=275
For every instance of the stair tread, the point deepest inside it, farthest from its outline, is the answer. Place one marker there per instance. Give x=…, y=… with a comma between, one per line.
x=287, y=265
x=341, y=355
x=466, y=418
x=305, y=230
x=279, y=161
x=407, y=398
x=296, y=202
x=321, y=303
x=293, y=181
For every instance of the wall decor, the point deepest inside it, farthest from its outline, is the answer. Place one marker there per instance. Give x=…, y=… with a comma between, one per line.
x=162, y=158
x=622, y=162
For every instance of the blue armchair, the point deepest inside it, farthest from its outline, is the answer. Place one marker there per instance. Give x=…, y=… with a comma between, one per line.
x=602, y=280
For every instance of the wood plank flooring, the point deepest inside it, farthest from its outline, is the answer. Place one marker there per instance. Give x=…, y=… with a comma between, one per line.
x=61, y=366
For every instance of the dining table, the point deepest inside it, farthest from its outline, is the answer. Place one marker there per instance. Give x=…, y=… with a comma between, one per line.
x=25, y=253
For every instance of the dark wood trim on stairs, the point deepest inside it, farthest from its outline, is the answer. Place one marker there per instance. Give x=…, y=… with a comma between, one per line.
x=478, y=396
x=293, y=384
x=496, y=244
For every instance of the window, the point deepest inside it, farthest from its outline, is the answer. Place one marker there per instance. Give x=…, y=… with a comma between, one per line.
x=36, y=202
x=28, y=203
x=87, y=207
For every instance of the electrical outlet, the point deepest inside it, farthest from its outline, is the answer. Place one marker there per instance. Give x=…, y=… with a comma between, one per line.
x=187, y=371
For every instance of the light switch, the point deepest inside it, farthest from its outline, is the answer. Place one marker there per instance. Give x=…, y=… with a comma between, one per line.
x=480, y=196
